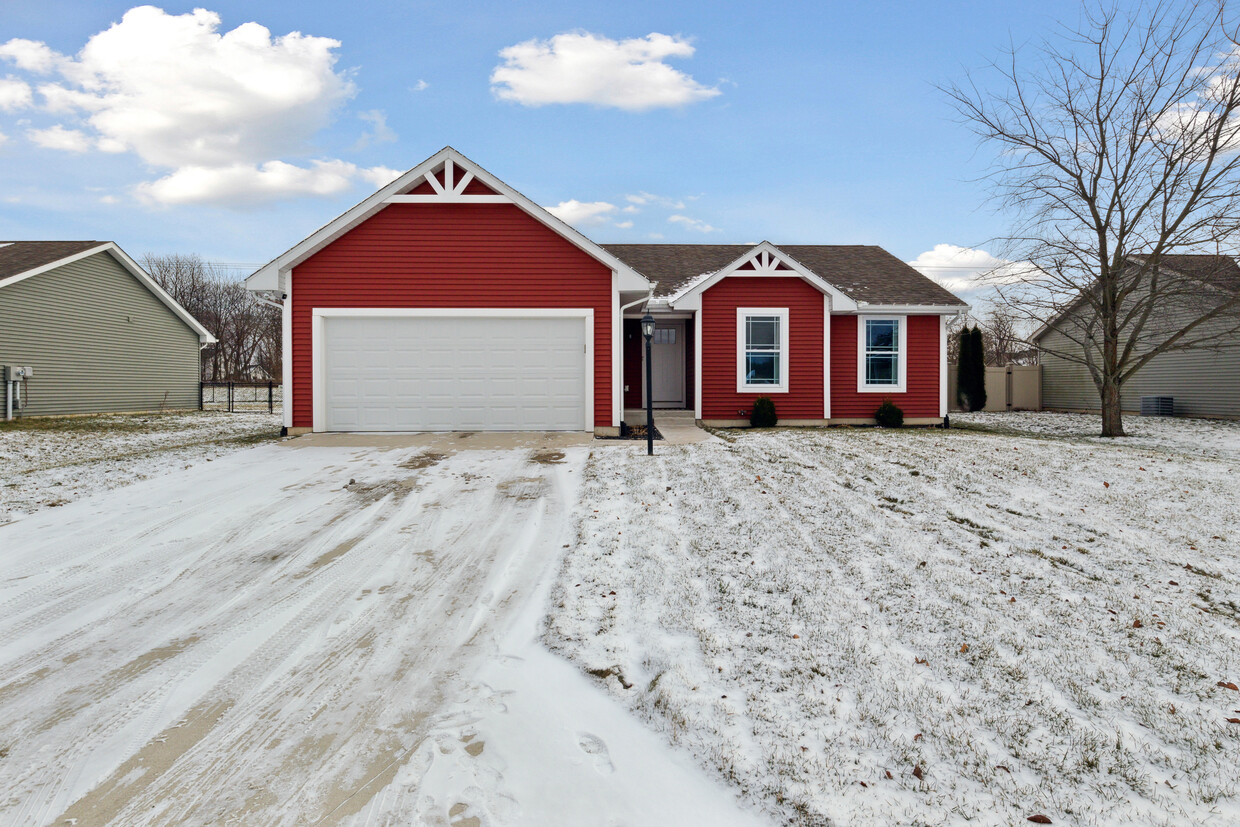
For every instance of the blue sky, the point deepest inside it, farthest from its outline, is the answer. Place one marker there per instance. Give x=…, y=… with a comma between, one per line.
x=793, y=122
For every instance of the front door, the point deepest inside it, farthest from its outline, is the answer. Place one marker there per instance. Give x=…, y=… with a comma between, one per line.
x=667, y=356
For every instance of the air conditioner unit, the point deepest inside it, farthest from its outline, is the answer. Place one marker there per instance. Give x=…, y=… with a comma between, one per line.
x=1158, y=406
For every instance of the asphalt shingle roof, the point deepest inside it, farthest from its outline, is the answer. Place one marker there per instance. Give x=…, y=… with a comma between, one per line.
x=1217, y=271
x=863, y=273
x=19, y=256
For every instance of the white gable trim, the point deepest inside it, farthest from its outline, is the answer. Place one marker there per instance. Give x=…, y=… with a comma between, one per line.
x=273, y=275
x=122, y=258
x=766, y=258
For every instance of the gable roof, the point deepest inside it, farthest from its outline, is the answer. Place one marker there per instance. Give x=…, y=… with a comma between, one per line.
x=1217, y=271
x=16, y=257
x=417, y=186
x=865, y=274
x=20, y=260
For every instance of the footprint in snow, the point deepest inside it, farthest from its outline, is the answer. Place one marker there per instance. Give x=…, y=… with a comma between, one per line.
x=593, y=745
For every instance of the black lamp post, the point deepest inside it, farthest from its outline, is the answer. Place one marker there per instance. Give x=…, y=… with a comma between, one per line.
x=648, y=334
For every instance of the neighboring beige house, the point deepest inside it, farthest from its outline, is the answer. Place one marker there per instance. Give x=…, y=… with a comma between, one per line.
x=1203, y=382
x=97, y=333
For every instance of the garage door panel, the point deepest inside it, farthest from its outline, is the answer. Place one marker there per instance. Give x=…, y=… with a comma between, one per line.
x=415, y=373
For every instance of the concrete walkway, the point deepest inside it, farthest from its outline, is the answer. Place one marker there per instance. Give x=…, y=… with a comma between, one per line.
x=677, y=427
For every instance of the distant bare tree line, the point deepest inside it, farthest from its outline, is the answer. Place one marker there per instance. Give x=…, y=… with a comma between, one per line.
x=248, y=332
x=1002, y=341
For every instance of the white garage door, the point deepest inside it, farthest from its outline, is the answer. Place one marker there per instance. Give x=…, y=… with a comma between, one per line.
x=420, y=373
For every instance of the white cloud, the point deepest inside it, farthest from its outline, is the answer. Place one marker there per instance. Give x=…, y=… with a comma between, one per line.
x=30, y=55
x=379, y=133
x=379, y=177
x=217, y=110
x=964, y=269
x=580, y=67
x=624, y=225
x=14, y=94
x=108, y=199
x=582, y=214
x=420, y=86
x=642, y=199
x=57, y=137
x=692, y=224
x=251, y=184
x=177, y=92
x=4, y=139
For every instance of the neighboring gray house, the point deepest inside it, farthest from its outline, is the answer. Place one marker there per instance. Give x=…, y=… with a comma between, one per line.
x=1203, y=382
x=97, y=332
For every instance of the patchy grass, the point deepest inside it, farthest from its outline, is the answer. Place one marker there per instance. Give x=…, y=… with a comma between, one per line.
x=1038, y=621
x=50, y=461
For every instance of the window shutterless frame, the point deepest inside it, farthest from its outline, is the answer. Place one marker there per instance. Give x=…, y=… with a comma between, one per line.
x=882, y=354
x=762, y=349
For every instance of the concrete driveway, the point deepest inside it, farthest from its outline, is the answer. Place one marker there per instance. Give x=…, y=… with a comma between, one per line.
x=262, y=638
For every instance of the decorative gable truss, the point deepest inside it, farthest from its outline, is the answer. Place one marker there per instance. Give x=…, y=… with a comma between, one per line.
x=765, y=263
x=764, y=260
x=447, y=177
x=449, y=183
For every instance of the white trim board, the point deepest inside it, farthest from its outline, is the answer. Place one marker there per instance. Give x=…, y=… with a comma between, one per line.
x=122, y=258
x=272, y=276
x=766, y=258
x=826, y=356
x=942, y=366
x=318, y=365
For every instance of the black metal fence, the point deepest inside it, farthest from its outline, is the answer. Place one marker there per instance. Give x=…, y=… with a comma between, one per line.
x=240, y=396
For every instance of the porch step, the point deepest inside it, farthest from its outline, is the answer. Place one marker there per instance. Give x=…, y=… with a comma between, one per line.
x=638, y=415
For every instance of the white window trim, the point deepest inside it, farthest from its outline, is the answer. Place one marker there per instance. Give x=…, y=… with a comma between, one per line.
x=902, y=361
x=782, y=314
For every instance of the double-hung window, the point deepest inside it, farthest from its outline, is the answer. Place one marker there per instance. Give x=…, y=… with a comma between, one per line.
x=881, y=346
x=762, y=349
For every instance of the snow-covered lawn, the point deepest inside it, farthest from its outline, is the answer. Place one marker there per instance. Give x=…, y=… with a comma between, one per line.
x=317, y=635
x=50, y=462
x=927, y=626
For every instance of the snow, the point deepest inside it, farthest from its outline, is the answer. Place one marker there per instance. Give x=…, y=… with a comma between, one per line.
x=817, y=614
x=46, y=463
x=335, y=635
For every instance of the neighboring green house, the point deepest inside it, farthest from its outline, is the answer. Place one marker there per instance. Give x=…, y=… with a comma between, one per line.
x=1203, y=382
x=96, y=332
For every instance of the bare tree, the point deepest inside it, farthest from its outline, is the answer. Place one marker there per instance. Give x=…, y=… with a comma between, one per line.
x=1004, y=346
x=247, y=331
x=1117, y=151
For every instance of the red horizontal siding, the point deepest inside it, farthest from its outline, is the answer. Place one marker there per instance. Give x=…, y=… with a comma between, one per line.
x=804, y=398
x=451, y=255
x=921, y=397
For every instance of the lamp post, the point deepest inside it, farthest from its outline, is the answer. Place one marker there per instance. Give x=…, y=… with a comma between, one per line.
x=648, y=334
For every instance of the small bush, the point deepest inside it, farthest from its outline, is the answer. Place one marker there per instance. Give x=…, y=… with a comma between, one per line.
x=889, y=415
x=763, y=415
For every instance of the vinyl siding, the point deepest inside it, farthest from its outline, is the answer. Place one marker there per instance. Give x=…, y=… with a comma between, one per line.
x=98, y=341
x=450, y=255
x=720, y=399
x=921, y=396
x=1203, y=382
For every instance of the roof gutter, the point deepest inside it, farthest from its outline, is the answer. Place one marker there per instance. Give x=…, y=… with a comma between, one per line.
x=648, y=297
x=261, y=299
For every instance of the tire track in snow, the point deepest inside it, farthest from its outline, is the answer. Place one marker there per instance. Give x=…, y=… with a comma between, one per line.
x=347, y=660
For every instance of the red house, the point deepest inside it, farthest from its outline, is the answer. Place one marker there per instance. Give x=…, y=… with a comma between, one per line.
x=448, y=301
